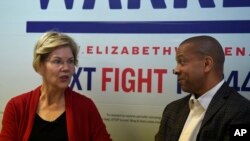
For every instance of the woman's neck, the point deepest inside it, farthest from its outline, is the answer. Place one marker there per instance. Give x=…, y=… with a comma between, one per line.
x=50, y=95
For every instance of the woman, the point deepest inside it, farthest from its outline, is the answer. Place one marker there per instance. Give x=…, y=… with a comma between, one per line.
x=53, y=111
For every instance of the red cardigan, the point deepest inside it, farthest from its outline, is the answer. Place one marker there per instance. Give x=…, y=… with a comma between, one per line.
x=84, y=122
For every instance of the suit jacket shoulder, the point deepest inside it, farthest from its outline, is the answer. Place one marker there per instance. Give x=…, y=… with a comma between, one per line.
x=173, y=120
x=227, y=108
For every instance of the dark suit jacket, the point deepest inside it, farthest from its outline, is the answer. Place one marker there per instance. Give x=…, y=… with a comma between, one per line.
x=227, y=108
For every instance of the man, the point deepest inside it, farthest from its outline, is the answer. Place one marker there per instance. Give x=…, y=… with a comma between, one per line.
x=200, y=62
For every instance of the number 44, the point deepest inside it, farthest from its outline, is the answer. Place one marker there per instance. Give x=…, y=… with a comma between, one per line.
x=233, y=77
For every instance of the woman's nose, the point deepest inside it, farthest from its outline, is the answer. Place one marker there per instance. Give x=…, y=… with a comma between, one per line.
x=66, y=66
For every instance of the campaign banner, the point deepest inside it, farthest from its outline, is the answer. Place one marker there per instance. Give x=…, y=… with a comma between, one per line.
x=127, y=52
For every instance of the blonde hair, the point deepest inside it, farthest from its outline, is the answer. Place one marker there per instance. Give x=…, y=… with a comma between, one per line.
x=50, y=41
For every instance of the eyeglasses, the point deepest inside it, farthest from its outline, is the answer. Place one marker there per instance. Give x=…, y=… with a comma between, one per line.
x=59, y=62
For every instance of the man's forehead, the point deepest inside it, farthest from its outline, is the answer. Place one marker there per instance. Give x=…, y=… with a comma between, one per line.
x=184, y=48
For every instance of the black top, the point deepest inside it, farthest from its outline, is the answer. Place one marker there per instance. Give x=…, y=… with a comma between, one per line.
x=49, y=131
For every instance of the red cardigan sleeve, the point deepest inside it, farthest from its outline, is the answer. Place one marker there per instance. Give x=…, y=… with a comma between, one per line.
x=9, y=123
x=98, y=128
x=18, y=116
x=83, y=119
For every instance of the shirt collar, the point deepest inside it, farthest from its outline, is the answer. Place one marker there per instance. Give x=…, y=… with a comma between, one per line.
x=206, y=98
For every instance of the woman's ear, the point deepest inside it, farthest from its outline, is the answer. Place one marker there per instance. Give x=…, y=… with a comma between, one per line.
x=209, y=63
x=40, y=69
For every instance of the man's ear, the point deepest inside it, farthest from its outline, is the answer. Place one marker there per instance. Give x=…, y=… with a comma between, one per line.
x=208, y=64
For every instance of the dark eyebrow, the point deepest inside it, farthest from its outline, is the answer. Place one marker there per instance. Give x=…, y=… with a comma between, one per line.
x=179, y=56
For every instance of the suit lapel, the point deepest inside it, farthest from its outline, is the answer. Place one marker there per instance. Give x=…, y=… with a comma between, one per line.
x=216, y=103
x=183, y=115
